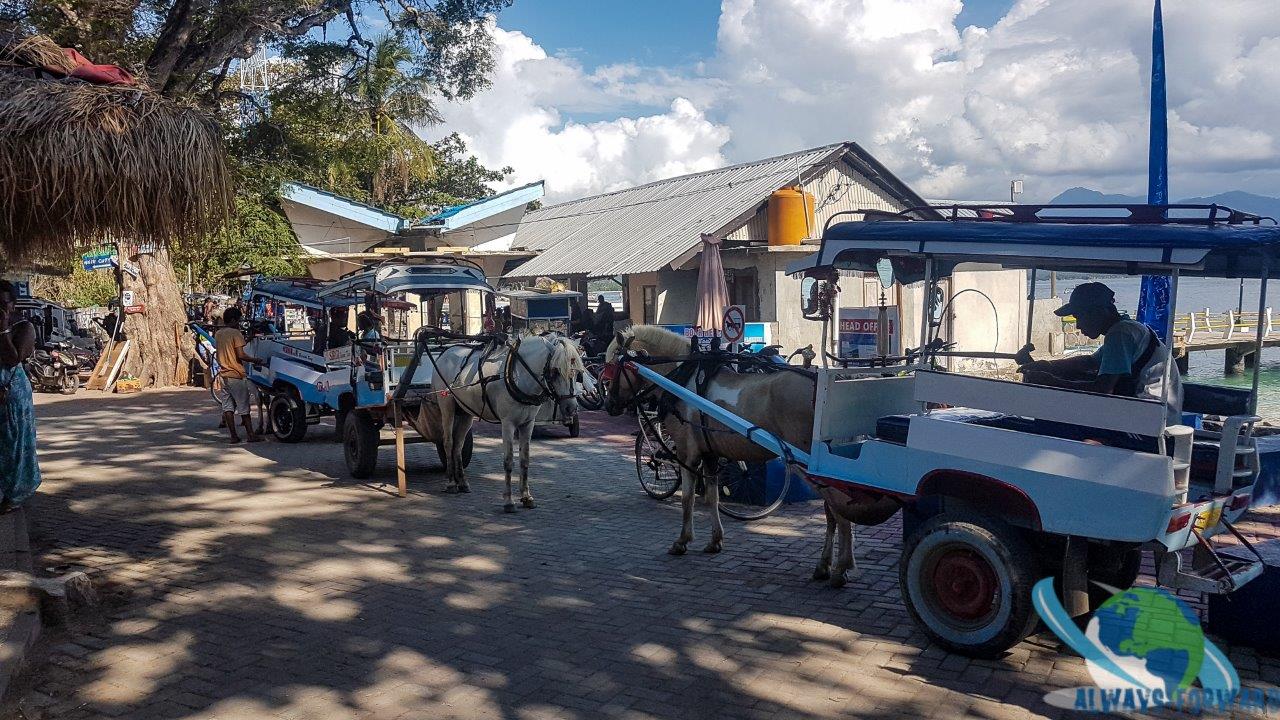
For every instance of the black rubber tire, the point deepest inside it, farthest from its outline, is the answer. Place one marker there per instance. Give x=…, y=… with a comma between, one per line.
x=731, y=472
x=660, y=480
x=360, y=444
x=288, y=417
x=1111, y=565
x=69, y=385
x=575, y=428
x=968, y=543
x=468, y=446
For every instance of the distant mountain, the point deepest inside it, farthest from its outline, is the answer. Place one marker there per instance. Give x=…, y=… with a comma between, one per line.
x=1235, y=199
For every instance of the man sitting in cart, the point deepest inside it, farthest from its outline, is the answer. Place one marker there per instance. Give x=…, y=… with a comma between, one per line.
x=1131, y=361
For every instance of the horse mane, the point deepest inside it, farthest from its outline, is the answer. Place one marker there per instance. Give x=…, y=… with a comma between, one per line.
x=565, y=356
x=657, y=341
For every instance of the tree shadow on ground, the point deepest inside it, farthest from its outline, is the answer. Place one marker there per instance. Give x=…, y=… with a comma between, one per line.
x=258, y=582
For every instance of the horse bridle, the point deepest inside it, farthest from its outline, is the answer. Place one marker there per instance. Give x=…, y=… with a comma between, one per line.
x=545, y=380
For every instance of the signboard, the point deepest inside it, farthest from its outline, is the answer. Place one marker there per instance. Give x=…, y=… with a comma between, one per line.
x=338, y=356
x=860, y=332
x=735, y=323
x=126, y=298
x=21, y=285
x=134, y=309
x=752, y=333
x=99, y=259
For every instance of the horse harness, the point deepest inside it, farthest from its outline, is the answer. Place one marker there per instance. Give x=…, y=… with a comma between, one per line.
x=489, y=345
x=703, y=367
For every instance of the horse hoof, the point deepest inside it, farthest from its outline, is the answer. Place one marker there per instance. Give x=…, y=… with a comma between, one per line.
x=509, y=507
x=838, y=580
x=464, y=489
x=528, y=503
x=451, y=489
x=821, y=573
x=677, y=549
x=712, y=547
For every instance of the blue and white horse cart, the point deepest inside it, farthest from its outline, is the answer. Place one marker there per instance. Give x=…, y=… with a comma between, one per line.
x=1004, y=483
x=366, y=383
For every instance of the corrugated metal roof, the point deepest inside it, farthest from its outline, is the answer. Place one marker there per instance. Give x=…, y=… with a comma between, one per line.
x=645, y=228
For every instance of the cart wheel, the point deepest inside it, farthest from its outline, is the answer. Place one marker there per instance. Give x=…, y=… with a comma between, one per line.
x=360, y=444
x=1117, y=566
x=659, y=478
x=574, y=427
x=967, y=583
x=467, y=446
x=288, y=418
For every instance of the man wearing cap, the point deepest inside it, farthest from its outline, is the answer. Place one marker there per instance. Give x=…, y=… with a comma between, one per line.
x=1131, y=361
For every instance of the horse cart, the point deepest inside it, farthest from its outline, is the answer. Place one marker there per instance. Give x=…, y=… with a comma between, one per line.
x=535, y=312
x=1002, y=484
x=366, y=381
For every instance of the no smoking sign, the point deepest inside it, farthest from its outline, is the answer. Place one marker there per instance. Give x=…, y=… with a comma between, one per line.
x=735, y=323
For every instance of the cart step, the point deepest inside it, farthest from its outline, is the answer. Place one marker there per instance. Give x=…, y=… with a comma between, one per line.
x=1223, y=575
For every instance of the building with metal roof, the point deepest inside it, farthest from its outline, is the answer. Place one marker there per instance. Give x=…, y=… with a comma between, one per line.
x=654, y=226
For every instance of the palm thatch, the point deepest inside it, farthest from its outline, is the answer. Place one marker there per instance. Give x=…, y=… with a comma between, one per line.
x=82, y=164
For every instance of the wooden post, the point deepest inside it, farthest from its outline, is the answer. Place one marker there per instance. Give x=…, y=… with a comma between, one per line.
x=1235, y=362
x=401, y=481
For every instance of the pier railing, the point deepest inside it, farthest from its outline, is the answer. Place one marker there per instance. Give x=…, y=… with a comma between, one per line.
x=1207, y=326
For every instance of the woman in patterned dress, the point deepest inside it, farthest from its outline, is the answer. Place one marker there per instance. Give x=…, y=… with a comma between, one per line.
x=19, y=474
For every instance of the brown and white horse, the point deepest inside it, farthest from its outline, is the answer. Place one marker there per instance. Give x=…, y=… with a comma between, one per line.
x=781, y=403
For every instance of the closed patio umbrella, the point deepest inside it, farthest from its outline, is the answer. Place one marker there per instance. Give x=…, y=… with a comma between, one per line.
x=713, y=293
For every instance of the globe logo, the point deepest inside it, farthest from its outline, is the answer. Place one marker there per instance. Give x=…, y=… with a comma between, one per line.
x=1150, y=634
x=1143, y=647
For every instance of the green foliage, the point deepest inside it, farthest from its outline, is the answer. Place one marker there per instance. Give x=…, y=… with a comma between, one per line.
x=81, y=288
x=259, y=237
x=340, y=111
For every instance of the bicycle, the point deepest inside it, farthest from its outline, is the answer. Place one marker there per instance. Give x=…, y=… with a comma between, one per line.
x=742, y=495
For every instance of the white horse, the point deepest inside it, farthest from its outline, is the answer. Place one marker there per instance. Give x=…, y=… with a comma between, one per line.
x=506, y=383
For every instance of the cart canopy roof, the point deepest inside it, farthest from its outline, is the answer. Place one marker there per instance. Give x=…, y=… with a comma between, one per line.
x=1126, y=240
x=399, y=277
x=294, y=292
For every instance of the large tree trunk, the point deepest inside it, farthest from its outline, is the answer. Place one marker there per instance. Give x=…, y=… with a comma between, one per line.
x=161, y=348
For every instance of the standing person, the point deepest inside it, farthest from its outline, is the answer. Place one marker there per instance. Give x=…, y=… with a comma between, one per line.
x=19, y=473
x=604, y=318
x=230, y=345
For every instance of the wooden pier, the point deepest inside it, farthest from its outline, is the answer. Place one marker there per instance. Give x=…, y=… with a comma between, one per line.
x=1233, y=332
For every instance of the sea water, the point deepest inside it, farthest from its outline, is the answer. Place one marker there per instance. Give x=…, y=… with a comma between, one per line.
x=1196, y=294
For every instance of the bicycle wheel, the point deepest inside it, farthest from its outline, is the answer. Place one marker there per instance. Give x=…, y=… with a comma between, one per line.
x=660, y=477
x=746, y=492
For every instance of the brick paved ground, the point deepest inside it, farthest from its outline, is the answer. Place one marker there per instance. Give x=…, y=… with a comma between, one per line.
x=258, y=582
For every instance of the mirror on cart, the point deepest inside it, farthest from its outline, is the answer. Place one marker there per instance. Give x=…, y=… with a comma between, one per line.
x=813, y=293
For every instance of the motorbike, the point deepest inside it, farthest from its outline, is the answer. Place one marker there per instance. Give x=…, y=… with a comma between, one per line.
x=54, y=368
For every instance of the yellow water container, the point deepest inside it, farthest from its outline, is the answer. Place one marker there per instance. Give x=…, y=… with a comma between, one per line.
x=790, y=216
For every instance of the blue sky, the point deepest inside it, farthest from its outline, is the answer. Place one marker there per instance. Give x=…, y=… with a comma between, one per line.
x=1056, y=96
x=652, y=32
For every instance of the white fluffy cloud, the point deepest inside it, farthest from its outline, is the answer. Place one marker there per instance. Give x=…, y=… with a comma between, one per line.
x=520, y=122
x=1055, y=93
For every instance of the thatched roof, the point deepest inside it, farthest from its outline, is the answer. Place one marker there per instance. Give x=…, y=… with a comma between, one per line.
x=82, y=163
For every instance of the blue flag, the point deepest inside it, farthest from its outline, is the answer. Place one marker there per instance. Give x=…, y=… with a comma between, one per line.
x=1154, y=301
